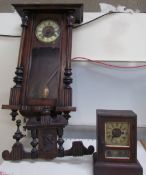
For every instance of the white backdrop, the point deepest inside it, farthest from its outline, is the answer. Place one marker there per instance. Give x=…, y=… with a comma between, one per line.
x=119, y=37
x=115, y=37
x=101, y=87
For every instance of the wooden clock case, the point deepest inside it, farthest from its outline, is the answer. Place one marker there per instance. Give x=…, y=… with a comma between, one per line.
x=50, y=63
x=114, y=166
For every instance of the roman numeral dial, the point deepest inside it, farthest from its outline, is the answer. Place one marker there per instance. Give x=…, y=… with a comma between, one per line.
x=117, y=133
x=47, y=31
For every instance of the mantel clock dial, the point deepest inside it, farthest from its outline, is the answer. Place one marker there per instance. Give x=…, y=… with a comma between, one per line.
x=117, y=134
x=117, y=143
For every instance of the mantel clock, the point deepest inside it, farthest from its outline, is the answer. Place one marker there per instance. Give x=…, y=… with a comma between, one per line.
x=117, y=143
x=42, y=91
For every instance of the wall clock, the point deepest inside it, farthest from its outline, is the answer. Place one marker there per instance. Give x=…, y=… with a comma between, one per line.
x=42, y=93
x=117, y=143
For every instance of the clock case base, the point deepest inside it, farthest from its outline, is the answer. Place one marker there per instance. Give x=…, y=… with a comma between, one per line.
x=108, y=168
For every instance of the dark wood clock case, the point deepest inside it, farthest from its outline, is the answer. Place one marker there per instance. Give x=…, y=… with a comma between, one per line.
x=116, y=165
x=42, y=93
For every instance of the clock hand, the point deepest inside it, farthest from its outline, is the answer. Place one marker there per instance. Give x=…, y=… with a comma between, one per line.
x=116, y=132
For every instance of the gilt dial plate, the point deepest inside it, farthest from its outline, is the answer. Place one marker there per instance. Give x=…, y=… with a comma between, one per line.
x=117, y=134
x=47, y=31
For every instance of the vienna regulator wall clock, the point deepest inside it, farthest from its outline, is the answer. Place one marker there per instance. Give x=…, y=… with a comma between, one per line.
x=117, y=143
x=42, y=93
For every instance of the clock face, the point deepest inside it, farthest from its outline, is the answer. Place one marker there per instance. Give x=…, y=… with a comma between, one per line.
x=117, y=134
x=47, y=31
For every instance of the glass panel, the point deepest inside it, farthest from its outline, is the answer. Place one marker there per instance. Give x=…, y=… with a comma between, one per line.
x=120, y=154
x=44, y=73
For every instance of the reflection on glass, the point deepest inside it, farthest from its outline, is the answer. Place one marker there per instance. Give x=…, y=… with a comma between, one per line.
x=44, y=75
x=120, y=154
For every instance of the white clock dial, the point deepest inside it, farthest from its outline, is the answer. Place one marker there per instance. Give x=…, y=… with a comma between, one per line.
x=47, y=31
